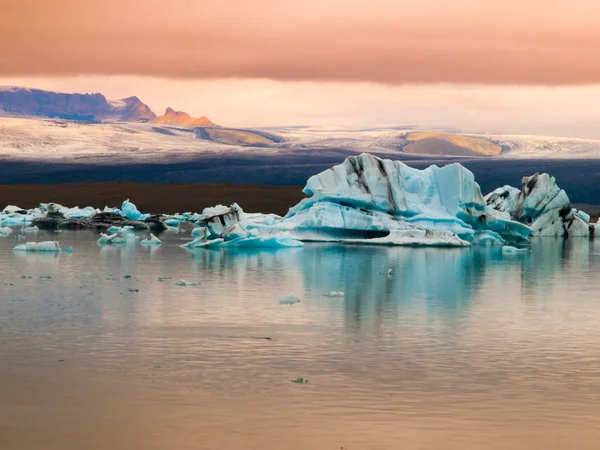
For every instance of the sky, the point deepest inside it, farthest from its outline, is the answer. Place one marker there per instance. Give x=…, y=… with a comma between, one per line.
x=525, y=66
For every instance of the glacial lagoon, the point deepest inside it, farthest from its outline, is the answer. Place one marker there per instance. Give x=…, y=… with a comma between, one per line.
x=454, y=348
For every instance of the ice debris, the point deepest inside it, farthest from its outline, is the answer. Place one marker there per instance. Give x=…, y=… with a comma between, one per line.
x=299, y=380
x=334, y=294
x=152, y=241
x=46, y=246
x=5, y=231
x=289, y=300
x=185, y=283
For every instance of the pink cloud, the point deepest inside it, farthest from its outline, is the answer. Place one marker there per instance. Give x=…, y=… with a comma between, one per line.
x=461, y=41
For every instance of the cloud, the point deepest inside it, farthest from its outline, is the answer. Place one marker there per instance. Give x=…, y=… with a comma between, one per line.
x=428, y=41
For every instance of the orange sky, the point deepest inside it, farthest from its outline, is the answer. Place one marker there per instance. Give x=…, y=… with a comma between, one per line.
x=390, y=41
x=527, y=66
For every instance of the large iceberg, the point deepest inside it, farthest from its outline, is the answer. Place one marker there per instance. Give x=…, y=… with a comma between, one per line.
x=371, y=200
x=541, y=205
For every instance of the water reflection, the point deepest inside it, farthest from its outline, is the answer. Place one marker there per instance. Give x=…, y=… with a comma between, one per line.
x=456, y=345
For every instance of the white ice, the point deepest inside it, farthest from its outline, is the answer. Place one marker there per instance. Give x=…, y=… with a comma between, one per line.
x=152, y=241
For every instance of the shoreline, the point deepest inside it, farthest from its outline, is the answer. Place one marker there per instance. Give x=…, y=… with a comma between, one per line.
x=155, y=198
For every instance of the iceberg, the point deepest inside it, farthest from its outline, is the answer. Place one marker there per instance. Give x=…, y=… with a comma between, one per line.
x=367, y=199
x=541, y=205
x=46, y=246
x=152, y=241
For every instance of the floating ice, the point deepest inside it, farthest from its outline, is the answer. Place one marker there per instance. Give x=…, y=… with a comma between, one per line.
x=46, y=246
x=334, y=294
x=185, y=283
x=507, y=250
x=152, y=241
x=29, y=230
x=130, y=211
x=5, y=231
x=289, y=300
x=371, y=200
x=125, y=236
x=541, y=205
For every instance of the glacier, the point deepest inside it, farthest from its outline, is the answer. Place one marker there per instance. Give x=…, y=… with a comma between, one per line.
x=364, y=200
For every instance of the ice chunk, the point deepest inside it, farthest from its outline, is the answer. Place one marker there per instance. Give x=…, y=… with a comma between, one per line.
x=152, y=241
x=299, y=380
x=11, y=209
x=172, y=222
x=125, y=236
x=5, y=231
x=218, y=218
x=80, y=213
x=29, y=230
x=130, y=211
x=542, y=205
x=334, y=294
x=289, y=300
x=46, y=246
x=507, y=250
x=114, y=229
x=186, y=283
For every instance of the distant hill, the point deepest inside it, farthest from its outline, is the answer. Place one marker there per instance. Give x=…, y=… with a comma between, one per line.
x=437, y=143
x=180, y=118
x=24, y=102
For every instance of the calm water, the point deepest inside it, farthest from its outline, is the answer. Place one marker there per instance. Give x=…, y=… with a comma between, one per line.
x=457, y=349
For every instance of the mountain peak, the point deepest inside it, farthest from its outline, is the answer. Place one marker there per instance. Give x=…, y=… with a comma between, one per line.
x=181, y=118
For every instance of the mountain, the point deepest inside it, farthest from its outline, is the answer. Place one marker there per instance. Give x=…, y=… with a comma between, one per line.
x=180, y=118
x=17, y=101
x=24, y=102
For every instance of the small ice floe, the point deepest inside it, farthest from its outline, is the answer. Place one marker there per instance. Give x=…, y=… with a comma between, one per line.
x=125, y=236
x=299, y=380
x=47, y=246
x=509, y=250
x=289, y=300
x=45, y=277
x=152, y=241
x=334, y=294
x=20, y=236
x=5, y=231
x=29, y=230
x=185, y=283
x=163, y=279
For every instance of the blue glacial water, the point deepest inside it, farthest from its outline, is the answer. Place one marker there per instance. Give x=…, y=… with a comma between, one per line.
x=455, y=349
